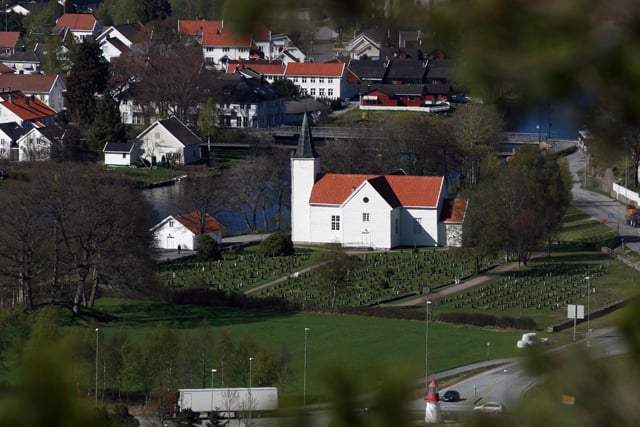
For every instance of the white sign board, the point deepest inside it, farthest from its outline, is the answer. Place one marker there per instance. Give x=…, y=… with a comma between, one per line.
x=575, y=311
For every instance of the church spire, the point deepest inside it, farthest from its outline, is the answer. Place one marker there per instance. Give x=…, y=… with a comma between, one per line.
x=305, y=149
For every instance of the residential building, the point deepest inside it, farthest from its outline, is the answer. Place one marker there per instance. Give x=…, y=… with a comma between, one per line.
x=364, y=45
x=408, y=97
x=10, y=42
x=376, y=211
x=41, y=144
x=181, y=231
x=328, y=80
x=270, y=70
x=222, y=44
x=48, y=88
x=169, y=141
x=27, y=111
x=9, y=135
x=79, y=25
x=22, y=62
x=124, y=39
x=246, y=100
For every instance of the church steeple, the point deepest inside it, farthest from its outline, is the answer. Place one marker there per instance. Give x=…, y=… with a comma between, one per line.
x=305, y=148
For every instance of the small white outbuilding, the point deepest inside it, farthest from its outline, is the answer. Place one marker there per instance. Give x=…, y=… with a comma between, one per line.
x=181, y=231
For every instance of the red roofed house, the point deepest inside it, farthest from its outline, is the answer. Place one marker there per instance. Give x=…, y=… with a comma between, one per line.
x=183, y=230
x=331, y=80
x=81, y=25
x=49, y=88
x=25, y=110
x=378, y=211
x=10, y=42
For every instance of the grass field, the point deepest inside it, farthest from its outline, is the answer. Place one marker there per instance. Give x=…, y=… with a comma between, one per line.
x=368, y=346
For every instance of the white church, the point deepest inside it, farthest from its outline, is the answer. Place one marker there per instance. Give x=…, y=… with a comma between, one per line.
x=372, y=211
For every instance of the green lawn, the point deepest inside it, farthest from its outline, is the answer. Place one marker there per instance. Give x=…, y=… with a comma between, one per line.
x=369, y=346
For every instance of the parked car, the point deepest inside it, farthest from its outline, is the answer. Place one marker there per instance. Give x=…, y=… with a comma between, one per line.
x=451, y=396
x=490, y=408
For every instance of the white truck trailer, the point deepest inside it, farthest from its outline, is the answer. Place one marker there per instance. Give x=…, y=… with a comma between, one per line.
x=228, y=401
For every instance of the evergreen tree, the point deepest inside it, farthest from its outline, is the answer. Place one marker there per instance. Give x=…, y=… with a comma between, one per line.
x=155, y=10
x=107, y=126
x=89, y=75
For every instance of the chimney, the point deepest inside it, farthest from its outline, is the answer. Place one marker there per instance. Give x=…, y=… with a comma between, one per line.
x=26, y=100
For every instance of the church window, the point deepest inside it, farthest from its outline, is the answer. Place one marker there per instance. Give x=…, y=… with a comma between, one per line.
x=335, y=222
x=365, y=217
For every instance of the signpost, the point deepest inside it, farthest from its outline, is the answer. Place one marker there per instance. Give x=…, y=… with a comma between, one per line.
x=575, y=312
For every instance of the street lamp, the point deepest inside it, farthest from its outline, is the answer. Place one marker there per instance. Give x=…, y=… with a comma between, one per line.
x=426, y=345
x=213, y=371
x=304, y=387
x=250, y=403
x=588, y=279
x=97, y=341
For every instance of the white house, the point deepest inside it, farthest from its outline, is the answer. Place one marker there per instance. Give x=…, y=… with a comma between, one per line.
x=170, y=141
x=182, y=231
x=331, y=80
x=123, y=39
x=80, y=25
x=27, y=111
x=48, y=88
x=379, y=211
x=120, y=154
x=40, y=144
x=246, y=100
x=9, y=135
x=22, y=62
x=364, y=45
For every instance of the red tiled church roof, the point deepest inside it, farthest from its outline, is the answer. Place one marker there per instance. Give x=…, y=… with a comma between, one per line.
x=397, y=190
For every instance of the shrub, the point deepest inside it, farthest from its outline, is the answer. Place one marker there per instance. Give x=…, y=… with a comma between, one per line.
x=208, y=248
x=277, y=244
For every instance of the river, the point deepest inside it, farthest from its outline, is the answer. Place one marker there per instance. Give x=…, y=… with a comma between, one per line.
x=169, y=200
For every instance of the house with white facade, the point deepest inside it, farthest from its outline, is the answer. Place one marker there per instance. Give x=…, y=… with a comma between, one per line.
x=222, y=43
x=124, y=39
x=169, y=141
x=79, y=25
x=376, y=211
x=120, y=154
x=48, y=88
x=26, y=110
x=9, y=135
x=22, y=62
x=41, y=144
x=331, y=80
x=246, y=100
x=364, y=45
x=181, y=231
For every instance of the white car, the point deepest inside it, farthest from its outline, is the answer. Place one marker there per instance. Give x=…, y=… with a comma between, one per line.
x=490, y=408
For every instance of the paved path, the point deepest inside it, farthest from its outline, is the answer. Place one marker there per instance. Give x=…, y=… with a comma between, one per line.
x=474, y=281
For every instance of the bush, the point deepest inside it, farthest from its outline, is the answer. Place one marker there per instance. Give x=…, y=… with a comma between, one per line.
x=208, y=248
x=277, y=244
